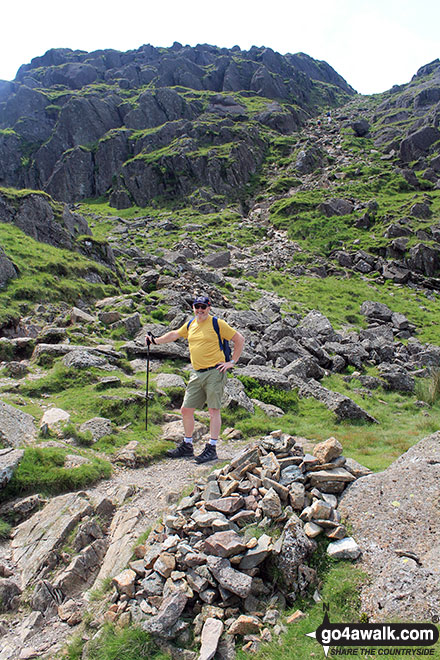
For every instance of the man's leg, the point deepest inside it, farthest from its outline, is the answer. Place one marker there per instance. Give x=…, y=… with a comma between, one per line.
x=188, y=421
x=215, y=423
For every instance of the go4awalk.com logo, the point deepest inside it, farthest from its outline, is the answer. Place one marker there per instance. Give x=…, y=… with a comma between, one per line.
x=356, y=639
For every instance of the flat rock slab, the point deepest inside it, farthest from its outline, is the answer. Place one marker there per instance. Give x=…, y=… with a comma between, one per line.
x=45, y=531
x=394, y=519
x=125, y=528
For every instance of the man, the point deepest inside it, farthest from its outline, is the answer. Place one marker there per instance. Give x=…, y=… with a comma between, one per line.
x=208, y=380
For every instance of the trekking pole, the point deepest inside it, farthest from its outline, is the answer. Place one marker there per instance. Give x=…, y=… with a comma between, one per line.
x=146, y=385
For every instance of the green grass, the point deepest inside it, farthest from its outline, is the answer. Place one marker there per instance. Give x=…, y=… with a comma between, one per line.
x=130, y=643
x=77, y=392
x=41, y=470
x=340, y=300
x=46, y=274
x=373, y=445
x=5, y=530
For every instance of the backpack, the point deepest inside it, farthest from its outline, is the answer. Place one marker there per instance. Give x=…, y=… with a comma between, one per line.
x=223, y=343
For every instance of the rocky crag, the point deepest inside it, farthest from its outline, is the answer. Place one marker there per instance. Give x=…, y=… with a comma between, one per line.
x=154, y=121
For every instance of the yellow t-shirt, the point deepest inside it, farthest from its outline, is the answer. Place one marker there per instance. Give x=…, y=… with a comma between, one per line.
x=203, y=342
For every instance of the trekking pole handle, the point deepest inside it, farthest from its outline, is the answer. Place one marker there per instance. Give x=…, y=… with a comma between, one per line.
x=150, y=338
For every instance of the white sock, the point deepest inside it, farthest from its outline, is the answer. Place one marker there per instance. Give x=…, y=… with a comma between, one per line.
x=213, y=442
x=188, y=440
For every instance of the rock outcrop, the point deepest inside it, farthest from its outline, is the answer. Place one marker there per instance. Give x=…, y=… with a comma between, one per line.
x=140, y=149
x=393, y=517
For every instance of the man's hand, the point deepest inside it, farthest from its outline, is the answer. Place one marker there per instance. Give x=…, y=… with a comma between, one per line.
x=149, y=339
x=224, y=366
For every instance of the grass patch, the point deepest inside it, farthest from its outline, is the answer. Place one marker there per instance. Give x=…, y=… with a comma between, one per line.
x=286, y=400
x=47, y=274
x=130, y=643
x=5, y=530
x=341, y=582
x=42, y=470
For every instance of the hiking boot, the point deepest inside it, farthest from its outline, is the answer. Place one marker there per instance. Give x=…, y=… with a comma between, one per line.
x=182, y=450
x=208, y=454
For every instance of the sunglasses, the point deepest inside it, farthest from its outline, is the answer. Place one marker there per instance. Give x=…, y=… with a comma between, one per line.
x=200, y=306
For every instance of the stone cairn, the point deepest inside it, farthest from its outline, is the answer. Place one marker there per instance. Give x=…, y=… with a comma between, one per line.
x=212, y=561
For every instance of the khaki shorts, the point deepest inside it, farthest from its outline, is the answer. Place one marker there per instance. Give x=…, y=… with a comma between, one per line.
x=205, y=387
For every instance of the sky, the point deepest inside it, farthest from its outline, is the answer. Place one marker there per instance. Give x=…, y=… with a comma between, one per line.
x=373, y=44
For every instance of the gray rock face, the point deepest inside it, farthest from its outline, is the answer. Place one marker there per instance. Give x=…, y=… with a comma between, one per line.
x=35, y=539
x=393, y=518
x=9, y=460
x=336, y=207
x=7, y=269
x=35, y=216
x=418, y=143
x=16, y=427
x=124, y=530
x=63, y=163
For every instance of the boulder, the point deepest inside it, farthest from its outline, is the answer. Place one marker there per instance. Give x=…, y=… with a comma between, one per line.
x=54, y=419
x=424, y=259
x=83, y=359
x=9, y=595
x=7, y=269
x=336, y=206
x=393, y=518
x=418, y=143
x=9, y=460
x=16, y=427
x=98, y=426
x=375, y=310
x=361, y=127
x=342, y=406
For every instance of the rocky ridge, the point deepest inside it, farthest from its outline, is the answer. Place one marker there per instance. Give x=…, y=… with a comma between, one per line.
x=151, y=114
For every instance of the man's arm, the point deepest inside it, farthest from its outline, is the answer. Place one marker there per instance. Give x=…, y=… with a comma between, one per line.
x=238, y=340
x=168, y=337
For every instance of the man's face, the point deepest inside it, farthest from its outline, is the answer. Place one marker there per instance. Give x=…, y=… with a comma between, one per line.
x=201, y=311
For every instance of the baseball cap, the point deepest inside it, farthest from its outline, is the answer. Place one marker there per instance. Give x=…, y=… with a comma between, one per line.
x=201, y=300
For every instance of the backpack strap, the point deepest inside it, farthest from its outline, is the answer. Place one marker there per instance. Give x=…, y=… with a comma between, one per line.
x=189, y=323
x=223, y=343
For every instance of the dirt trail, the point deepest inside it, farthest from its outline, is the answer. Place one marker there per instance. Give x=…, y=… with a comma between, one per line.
x=160, y=484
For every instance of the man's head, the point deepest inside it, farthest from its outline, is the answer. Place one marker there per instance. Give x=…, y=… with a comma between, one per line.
x=201, y=306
